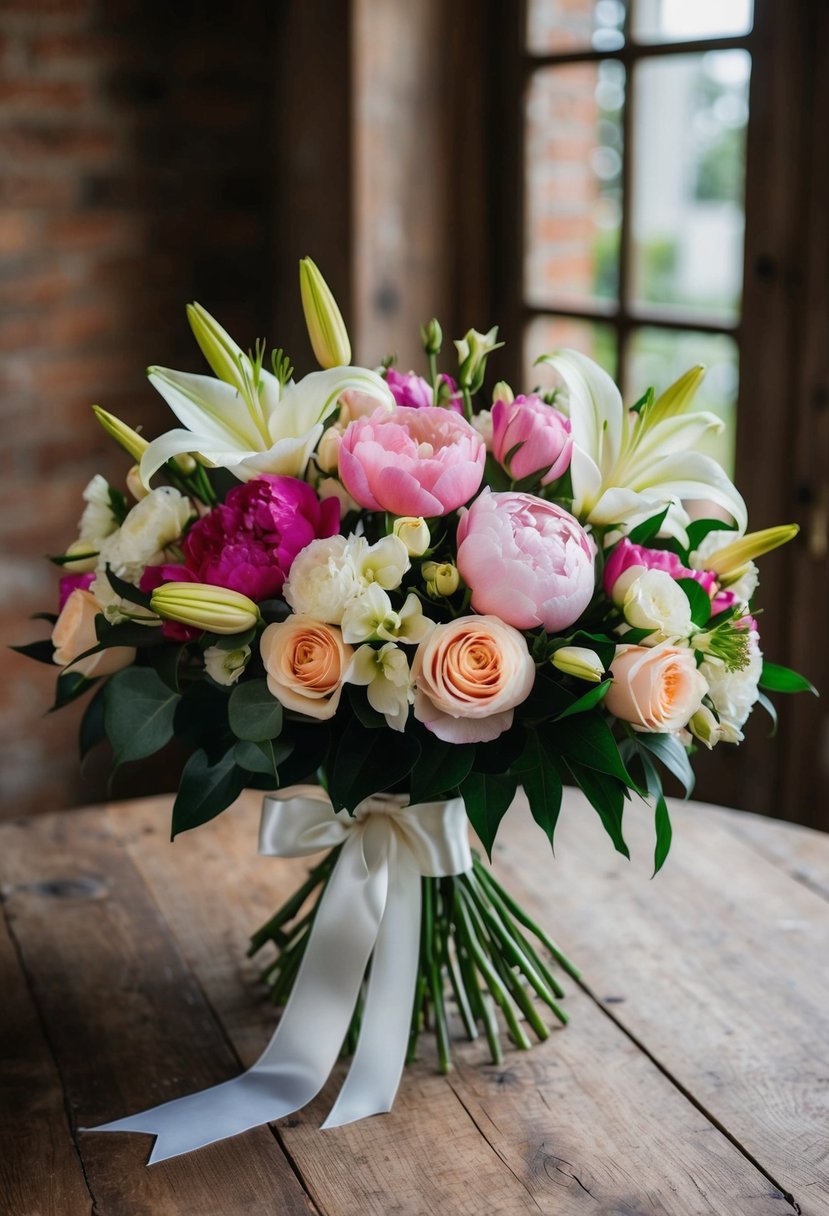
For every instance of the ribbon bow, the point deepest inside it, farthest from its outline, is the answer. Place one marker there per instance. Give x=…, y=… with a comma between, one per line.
x=370, y=906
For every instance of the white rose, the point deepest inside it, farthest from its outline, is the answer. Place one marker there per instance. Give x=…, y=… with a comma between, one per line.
x=734, y=693
x=743, y=587
x=225, y=666
x=654, y=601
x=324, y=579
x=414, y=533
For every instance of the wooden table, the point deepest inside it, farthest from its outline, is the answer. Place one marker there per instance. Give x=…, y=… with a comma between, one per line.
x=693, y=1078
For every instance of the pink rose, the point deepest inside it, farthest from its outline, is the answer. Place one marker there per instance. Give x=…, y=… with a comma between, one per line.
x=248, y=542
x=305, y=661
x=412, y=391
x=527, y=561
x=469, y=675
x=530, y=437
x=426, y=461
x=636, y=558
x=657, y=688
x=74, y=634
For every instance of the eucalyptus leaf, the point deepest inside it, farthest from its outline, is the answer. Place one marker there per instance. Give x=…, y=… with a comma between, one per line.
x=139, y=710
x=205, y=790
x=254, y=712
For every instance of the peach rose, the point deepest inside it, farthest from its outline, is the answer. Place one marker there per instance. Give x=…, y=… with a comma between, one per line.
x=657, y=688
x=305, y=661
x=469, y=675
x=74, y=634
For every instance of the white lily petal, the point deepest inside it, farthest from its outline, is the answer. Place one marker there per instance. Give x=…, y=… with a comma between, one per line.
x=693, y=475
x=679, y=434
x=287, y=457
x=176, y=442
x=594, y=406
x=209, y=406
x=313, y=398
x=586, y=480
x=619, y=505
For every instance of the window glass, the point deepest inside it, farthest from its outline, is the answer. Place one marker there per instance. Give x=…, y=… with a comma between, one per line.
x=546, y=334
x=688, y=182
x=574, y=184
x=657, y=357
x=574, y=25
x=681, y=20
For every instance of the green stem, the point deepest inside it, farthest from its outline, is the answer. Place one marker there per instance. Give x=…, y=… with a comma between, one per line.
x=523, y=919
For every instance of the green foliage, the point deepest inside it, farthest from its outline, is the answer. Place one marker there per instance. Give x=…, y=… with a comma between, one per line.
x=440, y=769
x=206, y=790
x=670, y=752
x=699, y=600
x=645, y=532
x=254, y=712
x=42, y=651
x=487, y=797
x=365, y=764
x=139, y=712
x=588, y=700
x=775, y=678
x=539, y=775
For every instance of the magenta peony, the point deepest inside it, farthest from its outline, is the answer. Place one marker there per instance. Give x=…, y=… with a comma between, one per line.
x=526, y=560
x=531, y=437
x=411, y=390
x=426, y=461
x=73, y=582
x=627, y=556
x=249, y=542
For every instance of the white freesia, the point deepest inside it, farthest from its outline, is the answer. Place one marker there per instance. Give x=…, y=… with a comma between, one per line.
x=744, y=586
x=330, y=574
x=654, y=601
x=226, y=666
x=734, y=693
x=97, y=521
x=626, y=466
x=387, y=679
x=371, y=615
x=246, y=420
x=385, y=562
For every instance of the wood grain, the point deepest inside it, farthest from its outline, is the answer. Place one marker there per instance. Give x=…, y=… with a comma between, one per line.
x=522, y=1137
x=128, y=1025
x=801, y=852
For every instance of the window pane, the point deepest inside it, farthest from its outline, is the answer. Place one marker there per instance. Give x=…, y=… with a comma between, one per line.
x=659, y=356
x=678, y=20
x=688, y=182
x=574, y=184
x=545, y=334
x=574, y=25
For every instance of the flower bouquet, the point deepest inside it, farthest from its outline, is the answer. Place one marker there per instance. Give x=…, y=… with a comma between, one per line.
x=414, y=602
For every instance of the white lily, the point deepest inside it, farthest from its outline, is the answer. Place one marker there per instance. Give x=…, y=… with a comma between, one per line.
x=247, y=420
x=626, y=466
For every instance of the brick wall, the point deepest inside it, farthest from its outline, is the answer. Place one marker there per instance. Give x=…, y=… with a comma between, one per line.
x=135, y=154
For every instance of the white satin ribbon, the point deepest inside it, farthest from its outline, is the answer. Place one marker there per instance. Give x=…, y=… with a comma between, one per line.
x=370, y=909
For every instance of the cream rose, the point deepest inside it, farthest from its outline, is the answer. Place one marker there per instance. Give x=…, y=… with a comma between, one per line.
x=654, y=601
x=655, y=688
x=305, y=661
x=74, y=634
x=469, y=675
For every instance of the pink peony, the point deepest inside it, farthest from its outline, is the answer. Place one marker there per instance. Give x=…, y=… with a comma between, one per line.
x=627, y=556
x=249, y=541
x=412, y=391
x=426, y=461
x=73, y=582
x=531, y=437
x=527, y=561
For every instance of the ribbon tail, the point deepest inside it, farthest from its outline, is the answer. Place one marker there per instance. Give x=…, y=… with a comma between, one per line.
x=375, y=1072
x=305, y=1045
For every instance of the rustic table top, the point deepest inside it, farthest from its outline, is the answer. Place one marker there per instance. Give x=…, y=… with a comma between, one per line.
x=693, y=1077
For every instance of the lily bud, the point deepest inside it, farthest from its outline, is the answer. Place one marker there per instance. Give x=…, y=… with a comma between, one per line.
x=732, y=558
x=326, y=328
x=135, y=485
x=328, y=449
x=132, y=443
x=202, y=606
x=705, y=727
x=225, y=356
x=86, y=561
x=473, y=350
x=431, y=336
x=580, y=662
x=414, y=533
x=503, y=392
x=442, y=578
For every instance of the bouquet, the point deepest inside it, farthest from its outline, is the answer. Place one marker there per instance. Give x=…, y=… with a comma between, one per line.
x=415, y=602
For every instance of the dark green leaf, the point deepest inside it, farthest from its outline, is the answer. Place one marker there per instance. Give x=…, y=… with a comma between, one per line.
x=201, y=719
x=699, y=529
x=254, y=712
x=309, y=744
x=487, y=797
x=127, y=633
x=671, y=753
x=587, y=701
x=662, y=820
x=541, y=780
x=229, y=641
x=767, y=705
x=65, y=559
x=274, y=610
x=590, y=742
x=698, y=598
x=126, y=590
x=441, y=767
x=604, y=646
x=648, y=529
x=117, y=505
x=775, y=678
x=607, y=797
x=69, y=687
x=166, y=660
x=42, y=651
x=92, y=730
x=369, y=763
x=500, y=755
x=51, y=617
x=139, y=710
x=264, y=757
x=369, y=717
x=205, y=790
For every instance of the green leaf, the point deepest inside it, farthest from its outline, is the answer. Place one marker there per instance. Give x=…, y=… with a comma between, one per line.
x=768, y=706
x=117, y=505
x=42, y=651
x=139, y=710
x=254, y=712
x=587, y=701
x=369, y=762
x=541, y=780
x=604, y=646
x=662, y=820
x=500, y=755
x=775, y=678
x=699, y=529
x=487, y=797
x=51, y=617
x=648, y=529
x=228, y=641
x=369, y=717
x=607, y=797
x=205, y=790
x=69, y=687
x=671, y=753
x=263, y=757
x=166, y=660
x=65, y=559
x=698, y=598
x=127, y=633
x=589, y=742
x=92, y=730
x=441, y=767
